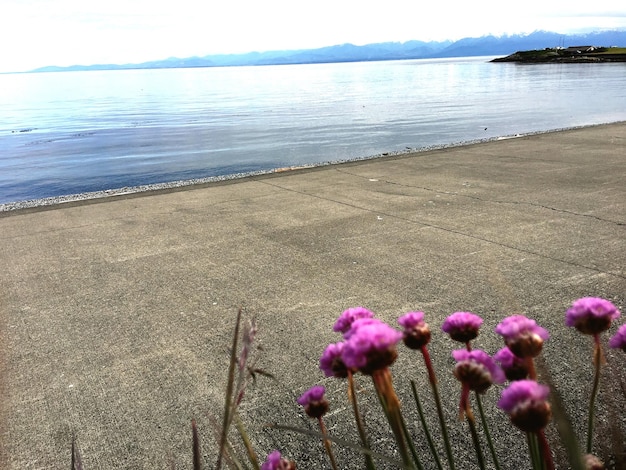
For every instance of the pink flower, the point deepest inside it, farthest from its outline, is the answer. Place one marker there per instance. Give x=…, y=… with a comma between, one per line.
x=462, y=326
x=416, y=331
x=618, y=341
x=314, y=403
x=476, y=369
x=514, y=367
x=358, y=323
x=331, y=362
x=525, y=401
x=411, y=319
x=276, y=462
x=345, y=320
x=591, y=315
x=370, y=345
x=522, y=335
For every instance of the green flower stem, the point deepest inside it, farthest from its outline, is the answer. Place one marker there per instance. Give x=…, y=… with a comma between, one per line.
x=546, y=454
x=432, y=378
x=597, y=359
x=252, y=457
x=429, y=438
x=533, y=452
x=327, y=446
x=472, y=425
x=391, y=406
x=483, y=420
x=369, y=461
x=407, y=436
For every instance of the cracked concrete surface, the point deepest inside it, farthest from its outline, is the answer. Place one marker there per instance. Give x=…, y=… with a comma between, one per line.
x=116, y=314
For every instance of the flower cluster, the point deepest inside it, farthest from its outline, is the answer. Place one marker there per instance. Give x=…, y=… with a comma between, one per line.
x=416, y=331
x=525, y=401
x=331, y=361
x=314, y=403
x=515, y=368
x=348, y=317
x=591, y=315
x=462, y=326
x=522, y=335
x=275, y=461
x=476, y=369
x=369, y=346
x=618, y=341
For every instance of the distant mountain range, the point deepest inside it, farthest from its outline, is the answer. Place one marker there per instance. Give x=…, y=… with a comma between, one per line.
x=467, y=47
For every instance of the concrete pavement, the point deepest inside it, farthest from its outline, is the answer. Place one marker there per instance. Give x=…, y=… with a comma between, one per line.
x=116, y=314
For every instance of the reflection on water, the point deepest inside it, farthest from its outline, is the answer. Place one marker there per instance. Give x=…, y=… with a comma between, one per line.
x=71, y=132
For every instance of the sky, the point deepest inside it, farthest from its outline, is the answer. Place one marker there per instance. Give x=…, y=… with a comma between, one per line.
x=37, y=33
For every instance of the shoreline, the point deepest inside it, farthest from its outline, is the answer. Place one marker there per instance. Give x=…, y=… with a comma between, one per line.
x=52, y=201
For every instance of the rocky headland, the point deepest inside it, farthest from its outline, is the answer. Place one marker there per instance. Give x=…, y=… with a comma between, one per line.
x=575, y=54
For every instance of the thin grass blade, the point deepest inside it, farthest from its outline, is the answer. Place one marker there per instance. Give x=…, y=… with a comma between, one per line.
x=197, y=455
x=252, y=457
x=483, y=420
x=229, y=392
x=429, y=437
x=561, y=420
x=77, y=463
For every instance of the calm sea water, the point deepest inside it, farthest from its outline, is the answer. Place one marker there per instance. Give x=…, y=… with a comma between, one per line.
x=74, y=132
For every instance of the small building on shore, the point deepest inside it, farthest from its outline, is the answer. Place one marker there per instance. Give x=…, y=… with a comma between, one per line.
x=579, y=49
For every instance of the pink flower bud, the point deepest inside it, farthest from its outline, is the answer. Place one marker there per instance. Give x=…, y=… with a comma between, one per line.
x=618, y=341
x=522, y=335
x=525, y=401
x=276, y=462
x=476, y=369
x=314, y=403
x=370, y=345
x=331, y=362
x=462, y=326
x=591, y=315
x=416, y=331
